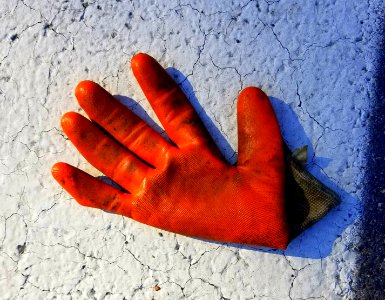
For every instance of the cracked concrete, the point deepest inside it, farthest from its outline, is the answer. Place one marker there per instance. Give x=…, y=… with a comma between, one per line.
x=311, y=57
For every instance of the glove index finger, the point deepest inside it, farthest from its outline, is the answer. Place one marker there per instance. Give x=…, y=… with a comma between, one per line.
x=170, y=104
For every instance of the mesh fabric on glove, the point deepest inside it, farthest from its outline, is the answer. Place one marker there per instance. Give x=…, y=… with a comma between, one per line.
x=307, y=199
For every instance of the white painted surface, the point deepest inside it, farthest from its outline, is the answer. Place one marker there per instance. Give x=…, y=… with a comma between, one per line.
x=309, y=56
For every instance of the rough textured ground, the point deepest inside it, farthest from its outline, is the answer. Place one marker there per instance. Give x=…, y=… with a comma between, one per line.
x=370, y=283
x=311, y=57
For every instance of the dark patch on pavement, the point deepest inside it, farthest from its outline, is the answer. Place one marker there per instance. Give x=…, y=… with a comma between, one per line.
x=370, y=281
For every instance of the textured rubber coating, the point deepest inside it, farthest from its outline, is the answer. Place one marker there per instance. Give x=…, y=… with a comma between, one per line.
x=186, y=186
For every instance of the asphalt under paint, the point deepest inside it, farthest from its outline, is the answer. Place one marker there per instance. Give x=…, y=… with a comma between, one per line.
x=371, y=248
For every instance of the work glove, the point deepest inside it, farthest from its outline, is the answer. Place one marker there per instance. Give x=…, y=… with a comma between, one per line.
x=184, y=185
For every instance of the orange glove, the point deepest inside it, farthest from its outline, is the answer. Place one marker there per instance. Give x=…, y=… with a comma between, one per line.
x=186, y=186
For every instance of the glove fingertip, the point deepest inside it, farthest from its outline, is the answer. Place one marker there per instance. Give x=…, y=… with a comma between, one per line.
x=138, y=59
x=84, y=87
x=56, y=169
x=249, y=96
x=68, y=119
x=61, y=172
